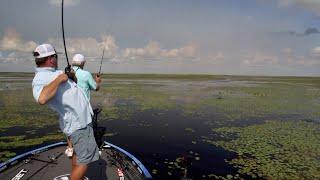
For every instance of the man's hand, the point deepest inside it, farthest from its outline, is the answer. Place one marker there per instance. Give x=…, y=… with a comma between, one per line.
x=98, y=80
x=72, y=75
x=63, y=77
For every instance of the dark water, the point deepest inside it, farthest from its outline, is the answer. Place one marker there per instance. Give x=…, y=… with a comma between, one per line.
x=29, y=132
x=158, y=140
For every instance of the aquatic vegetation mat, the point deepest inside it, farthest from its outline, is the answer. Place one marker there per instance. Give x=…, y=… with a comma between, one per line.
x=8, y=143
x=274, y=149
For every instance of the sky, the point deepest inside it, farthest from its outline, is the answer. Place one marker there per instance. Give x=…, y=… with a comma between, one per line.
x=231, y=37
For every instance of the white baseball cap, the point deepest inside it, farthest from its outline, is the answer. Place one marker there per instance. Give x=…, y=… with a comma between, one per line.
x=44, y=50
x=78, y=59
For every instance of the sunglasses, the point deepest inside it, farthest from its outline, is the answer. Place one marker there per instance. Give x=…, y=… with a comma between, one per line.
x=55, y=56
x=35, y=54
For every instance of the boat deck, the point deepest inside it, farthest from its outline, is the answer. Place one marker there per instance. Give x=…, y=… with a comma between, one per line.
x=53, y=162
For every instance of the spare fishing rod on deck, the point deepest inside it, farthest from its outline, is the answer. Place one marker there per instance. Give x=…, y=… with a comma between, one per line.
x=67, y=70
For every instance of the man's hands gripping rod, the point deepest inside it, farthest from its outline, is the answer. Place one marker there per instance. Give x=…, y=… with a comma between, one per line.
x=70, y=73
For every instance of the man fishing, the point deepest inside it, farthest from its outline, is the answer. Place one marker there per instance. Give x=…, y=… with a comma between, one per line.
x=85, y=79
x=86, y=82
x=61, y=94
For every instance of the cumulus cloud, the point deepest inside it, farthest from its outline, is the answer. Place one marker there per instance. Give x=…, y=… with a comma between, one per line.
x=261, y=59
x=316, y=51
x=92, y=48
x=312, y=5
x=109, y=44
x=154, y=50
x=89, y=46
x=288, y=51
x=67, y=3
x=288, y=55
x=216, y=57
x=306, y=60
x=12, y=41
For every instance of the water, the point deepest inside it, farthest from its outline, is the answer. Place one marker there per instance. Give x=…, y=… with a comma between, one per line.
x=163, y=139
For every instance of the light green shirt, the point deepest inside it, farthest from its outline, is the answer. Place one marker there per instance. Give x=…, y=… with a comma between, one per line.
x=85, y=80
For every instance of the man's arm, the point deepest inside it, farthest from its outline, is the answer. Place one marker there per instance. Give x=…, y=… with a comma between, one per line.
x=50, y=90
x=94, y=83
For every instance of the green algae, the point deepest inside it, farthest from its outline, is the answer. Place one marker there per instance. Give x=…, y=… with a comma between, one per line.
x=126, y=96
x=11, y=142
x=237, y=99
x=8, y=143
x=5, y=155
x=275, y=149
x=18, y=108
x=262, y=100
x=189, y=130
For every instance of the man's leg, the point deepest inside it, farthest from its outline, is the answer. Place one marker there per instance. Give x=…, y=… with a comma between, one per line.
x=85, y=151
x=78, y=171
x=73, y=162
x=69, y=142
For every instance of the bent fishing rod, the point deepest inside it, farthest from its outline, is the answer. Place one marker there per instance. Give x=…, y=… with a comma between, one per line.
x=68, y=68
x=101, y=62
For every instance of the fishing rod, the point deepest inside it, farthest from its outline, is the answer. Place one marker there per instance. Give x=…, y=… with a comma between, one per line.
x=101, y=61
x=68, y=68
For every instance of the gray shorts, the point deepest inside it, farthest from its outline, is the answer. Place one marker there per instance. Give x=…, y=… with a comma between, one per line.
x=84, y=145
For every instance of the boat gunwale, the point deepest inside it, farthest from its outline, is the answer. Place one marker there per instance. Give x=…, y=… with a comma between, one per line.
x=14, y=160
x=133, y=158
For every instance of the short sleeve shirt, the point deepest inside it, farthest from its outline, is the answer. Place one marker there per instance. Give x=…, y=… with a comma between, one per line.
x=85, y=81
x=70, y=102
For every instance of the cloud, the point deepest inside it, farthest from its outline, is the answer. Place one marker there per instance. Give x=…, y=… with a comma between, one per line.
x=153, y=50
x=66, y=3
x=311, y=31
x=88, y=46
x=17, y=57
x=316, y=51
x=306, y=60
x=12, y=41
x=259, y=59
x=92, y=48
x=312, y=5
x=287, y=51
x=288, y=55
x=216, y=57
x=109, y=44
